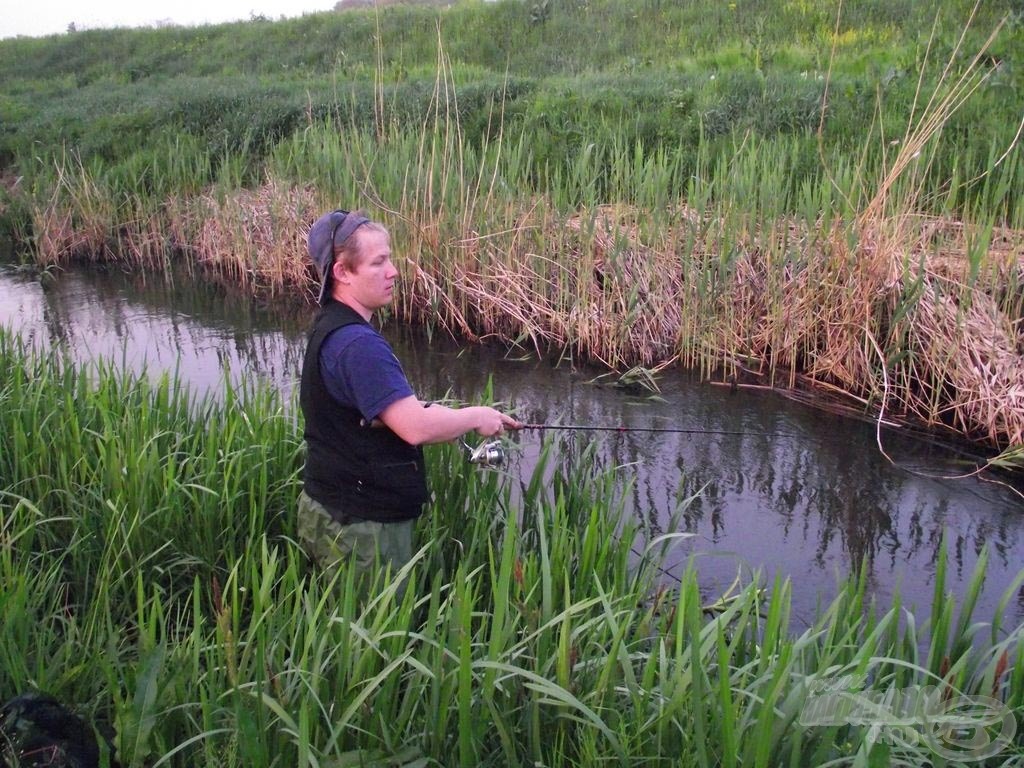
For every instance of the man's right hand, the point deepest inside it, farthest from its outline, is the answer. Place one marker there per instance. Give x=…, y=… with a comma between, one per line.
x=417, y=425
x=494, y=422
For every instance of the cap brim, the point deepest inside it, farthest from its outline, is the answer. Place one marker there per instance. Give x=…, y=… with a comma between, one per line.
x=325, y=291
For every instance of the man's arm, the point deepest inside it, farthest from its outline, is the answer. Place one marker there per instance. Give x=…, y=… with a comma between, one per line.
x=417, y=425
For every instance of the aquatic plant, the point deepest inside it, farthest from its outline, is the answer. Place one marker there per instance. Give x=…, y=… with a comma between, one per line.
x=153, y=581
x=877, y=265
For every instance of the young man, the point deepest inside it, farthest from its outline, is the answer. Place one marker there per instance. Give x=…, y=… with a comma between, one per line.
x=364, y=483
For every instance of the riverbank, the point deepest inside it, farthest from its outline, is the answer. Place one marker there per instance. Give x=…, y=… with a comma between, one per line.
x=153, y=579
x=796, y=216
x=913, y=317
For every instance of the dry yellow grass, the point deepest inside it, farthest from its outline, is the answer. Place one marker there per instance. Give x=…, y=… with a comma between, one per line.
x=256, y=238
x=75, y=221
x=789, y=302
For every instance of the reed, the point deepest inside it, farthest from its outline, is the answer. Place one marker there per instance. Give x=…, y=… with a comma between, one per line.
x=718, y=285
x=870, y=273
x=74, y=214
x=152, y=577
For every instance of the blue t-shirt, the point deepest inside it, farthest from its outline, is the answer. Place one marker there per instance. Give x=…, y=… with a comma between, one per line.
x=361, y=371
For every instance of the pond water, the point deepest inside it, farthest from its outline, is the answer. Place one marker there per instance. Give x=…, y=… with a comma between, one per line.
x=798, y=491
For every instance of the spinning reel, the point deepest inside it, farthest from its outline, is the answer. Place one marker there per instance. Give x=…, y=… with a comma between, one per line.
x=489, y=455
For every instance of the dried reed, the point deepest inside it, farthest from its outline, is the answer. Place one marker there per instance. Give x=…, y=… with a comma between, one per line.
x=75, y=218
x=256, y=238
x=727, y=282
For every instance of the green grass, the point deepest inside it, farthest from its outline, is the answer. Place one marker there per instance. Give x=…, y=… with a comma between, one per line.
x=151, y=577
x=653, y=34
x=667, y=77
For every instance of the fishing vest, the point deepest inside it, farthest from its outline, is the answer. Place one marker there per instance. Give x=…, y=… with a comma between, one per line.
x=351, y=468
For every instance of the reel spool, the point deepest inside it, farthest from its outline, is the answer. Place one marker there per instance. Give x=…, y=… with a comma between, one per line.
x=489, y=455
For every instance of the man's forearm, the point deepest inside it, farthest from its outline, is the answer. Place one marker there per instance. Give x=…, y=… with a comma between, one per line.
x=417, y=425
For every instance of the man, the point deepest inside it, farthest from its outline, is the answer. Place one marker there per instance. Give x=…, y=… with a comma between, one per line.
x=364, y=482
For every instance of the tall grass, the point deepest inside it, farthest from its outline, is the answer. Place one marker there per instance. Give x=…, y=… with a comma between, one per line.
x=633, y=220
x=152, y=578
x=730, y=280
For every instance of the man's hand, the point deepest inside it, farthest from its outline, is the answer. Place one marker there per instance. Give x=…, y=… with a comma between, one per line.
x=494, y=422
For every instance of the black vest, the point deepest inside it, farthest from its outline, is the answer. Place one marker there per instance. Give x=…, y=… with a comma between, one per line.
x=352, y=469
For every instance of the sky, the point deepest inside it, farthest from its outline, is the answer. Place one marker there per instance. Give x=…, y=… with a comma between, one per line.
x=34, y=18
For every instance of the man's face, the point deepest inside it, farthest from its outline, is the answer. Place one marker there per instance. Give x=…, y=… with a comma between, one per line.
x=371, y=284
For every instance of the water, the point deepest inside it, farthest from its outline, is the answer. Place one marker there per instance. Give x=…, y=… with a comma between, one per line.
x=800, y=492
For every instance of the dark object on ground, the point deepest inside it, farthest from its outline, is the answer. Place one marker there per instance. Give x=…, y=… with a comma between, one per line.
x=37, y=730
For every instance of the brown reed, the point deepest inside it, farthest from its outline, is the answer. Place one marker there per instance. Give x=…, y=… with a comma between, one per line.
x=795, y=305
x=256, y=238
x=75, y=219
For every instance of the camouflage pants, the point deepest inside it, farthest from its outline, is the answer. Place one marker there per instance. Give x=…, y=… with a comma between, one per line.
x=367, y=544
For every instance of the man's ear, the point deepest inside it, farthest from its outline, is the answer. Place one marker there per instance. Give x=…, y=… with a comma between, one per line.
x=339, y=273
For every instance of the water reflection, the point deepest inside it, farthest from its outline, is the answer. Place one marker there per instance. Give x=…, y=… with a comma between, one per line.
x=156, y=323
x=797, y=491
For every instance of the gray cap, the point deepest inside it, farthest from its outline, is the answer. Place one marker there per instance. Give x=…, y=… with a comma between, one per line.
x=328, y=232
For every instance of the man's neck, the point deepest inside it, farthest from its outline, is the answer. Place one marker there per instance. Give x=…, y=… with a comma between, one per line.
x=355, y=306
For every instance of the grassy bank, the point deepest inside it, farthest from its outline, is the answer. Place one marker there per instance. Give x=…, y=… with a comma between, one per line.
x=777, y=190
x=151, y=577
x=913, y=314
x=665, y=75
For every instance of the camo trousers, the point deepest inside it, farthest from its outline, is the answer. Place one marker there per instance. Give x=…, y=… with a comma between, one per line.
x=367, y=544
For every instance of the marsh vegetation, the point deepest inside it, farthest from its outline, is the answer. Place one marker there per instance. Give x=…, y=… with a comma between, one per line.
x=151, y=576
x=791, y=191
x=806, y=195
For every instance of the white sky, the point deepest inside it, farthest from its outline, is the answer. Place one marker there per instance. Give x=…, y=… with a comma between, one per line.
x=46, y=17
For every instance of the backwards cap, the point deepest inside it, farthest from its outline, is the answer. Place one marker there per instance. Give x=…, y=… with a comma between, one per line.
x=327, y=234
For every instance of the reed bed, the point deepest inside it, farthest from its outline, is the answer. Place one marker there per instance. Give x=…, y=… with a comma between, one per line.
x=843, y=280
x=255, y=239
x=73, y=215
x=923, y=319
x=152, y=579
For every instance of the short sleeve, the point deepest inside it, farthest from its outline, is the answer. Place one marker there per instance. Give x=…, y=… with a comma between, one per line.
x=361, y=371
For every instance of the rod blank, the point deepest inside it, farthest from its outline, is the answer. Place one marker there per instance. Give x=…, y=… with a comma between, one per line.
x=601, y=428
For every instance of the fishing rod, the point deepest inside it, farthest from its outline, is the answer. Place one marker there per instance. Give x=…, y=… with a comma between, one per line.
x=602, y=428
x=492, y=453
